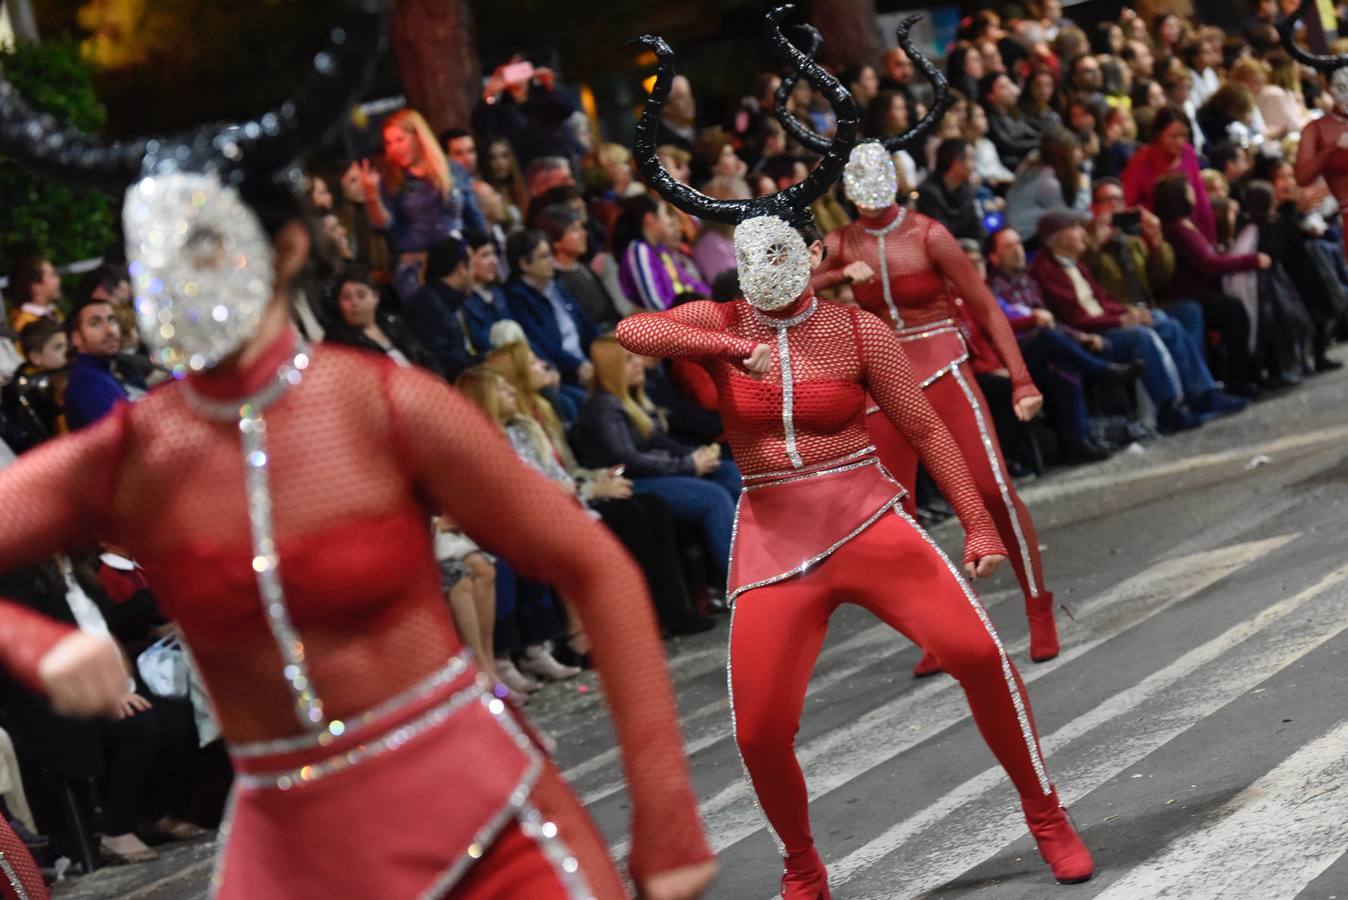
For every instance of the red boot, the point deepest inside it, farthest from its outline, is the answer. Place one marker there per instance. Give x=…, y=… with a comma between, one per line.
x=805, y=877
x=927, y=665
x=1043, y=630
x=1059, y=844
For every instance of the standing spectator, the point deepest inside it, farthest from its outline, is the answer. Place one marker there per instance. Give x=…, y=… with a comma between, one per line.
x=678, y=121
x=419, y=198
x=1169, y=151
x=886, y=115
x=1198, y=272
x=1173, y=367
x=948, y=197
x=650, y=273
x=527, y=107
x=620, y=426
x=1050, y=180
x=95, y=386
x=486, y=303
x=566, y=233
x=559, y=331
x=1014, y=137
x=436, y=313
x=34, y=291
x=359, y=323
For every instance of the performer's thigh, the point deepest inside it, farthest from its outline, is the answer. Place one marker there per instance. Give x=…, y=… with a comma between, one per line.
x=775, y=635
x=524, y=861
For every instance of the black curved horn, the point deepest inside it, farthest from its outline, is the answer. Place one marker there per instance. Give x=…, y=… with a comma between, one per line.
x=338, y=73
x=792, y=204
x=36, y=141
x=798, y=130
x=1285, y=30
x=911, y=137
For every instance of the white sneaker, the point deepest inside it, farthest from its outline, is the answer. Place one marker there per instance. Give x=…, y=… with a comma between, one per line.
x=514, y=679
x=538, y=661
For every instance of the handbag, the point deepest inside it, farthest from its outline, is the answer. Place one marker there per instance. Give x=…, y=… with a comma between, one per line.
x=163, y=668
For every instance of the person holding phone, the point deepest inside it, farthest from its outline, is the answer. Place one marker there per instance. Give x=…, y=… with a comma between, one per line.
x=524, y=104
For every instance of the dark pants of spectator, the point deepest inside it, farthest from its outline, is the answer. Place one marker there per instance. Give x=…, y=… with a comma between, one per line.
x=1228, y=317
x=1058, y=364
x=709, y=501
x=527, y=613
x=645, y=525
x=148, y=763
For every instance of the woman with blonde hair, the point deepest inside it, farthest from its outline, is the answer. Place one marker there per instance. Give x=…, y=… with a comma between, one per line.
x=620, y=426
x=642, y=521
x=420, y=196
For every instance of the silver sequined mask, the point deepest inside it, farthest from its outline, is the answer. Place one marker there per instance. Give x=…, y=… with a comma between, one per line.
x=1338, y=89
x=774, y=263
x=870, y=179
x=201, y=264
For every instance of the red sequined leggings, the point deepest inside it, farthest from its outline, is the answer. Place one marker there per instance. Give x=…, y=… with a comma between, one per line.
x=519, y=865
x=958, y=401
x=893, y=570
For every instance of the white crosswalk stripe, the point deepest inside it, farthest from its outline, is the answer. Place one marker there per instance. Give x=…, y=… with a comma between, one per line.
x=1269, y=841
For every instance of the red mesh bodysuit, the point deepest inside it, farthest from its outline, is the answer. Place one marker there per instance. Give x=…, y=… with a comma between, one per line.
x=922, y=269
x=802, y=442
x=360, y=452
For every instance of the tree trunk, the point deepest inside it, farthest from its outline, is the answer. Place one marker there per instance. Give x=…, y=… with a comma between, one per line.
x=435, y=44
x=851, y=32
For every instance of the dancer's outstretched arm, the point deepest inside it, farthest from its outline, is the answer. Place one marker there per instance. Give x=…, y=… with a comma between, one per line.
x=695, y=330
x=465, y=467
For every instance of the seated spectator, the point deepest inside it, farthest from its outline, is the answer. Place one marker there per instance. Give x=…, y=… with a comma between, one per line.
x=1286, y=329
x=1232, y=162
x=559, y=330
x=619, y=426
x=1013, y=136
x=1169, y=151
x=987, y=163
x=545, y=174
x=95, y=384
x=1051, y=179
x=565, y=230
x=468, y=579
x=1198, y=271
x=886, y=115
x=1173, y=366
x=1116, y=148
x=1059, y=358
x=1038, y=102
x=947, y=196
x=436, y=313
x=1253, y=75
x=1230, y=114
x=503, y=173
x=461, y=147
x=651, y=273
x=1281, y=101
x=678, y=120
x=34, y=291
x=486, y=303
x=33, y=394
x=715, y=151
x=359, y=323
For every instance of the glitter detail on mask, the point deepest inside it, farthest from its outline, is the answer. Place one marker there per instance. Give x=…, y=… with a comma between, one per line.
x=1338, y=89
x=870, y=179
x=774, y=263
x=201, y=264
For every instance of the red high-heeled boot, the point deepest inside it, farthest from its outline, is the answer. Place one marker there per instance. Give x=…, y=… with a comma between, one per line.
x=1059, y=844
x=1043, y=630
x=805, y=877
x=927, y=665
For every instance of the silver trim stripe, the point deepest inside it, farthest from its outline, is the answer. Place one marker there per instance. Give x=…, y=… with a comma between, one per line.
x=826, y=464
x=1018, y=701
x=804, y=476
x=990, y=448
x=734, y=733
x=12, y=876
x=879, y=235
x=457, y=665
x=788, y=399
x=564, y=863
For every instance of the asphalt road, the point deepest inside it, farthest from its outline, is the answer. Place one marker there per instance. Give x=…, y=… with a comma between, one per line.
x=1195, y=722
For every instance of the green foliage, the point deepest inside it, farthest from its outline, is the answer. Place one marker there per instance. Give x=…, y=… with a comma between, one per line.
x=35, y=212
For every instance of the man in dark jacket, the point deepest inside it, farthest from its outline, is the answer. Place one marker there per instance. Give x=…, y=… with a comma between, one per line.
x=436, y=312
x=947, y=196
x=1013, y=136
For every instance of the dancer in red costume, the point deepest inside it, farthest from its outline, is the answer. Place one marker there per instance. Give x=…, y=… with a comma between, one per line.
x=279, y=498
x=792, y=373
x=1323, y=149
x=906, y=269
x=20, y=878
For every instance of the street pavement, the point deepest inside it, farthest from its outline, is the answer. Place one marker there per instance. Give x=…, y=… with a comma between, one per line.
x=1195, y=723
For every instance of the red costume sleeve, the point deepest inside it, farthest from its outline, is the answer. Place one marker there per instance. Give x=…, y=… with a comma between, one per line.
x=889, y=378
x=466, y=468
x=53, y=497
x=694, y=330
x=954, y=264
x=830, y=271
x=696, y=384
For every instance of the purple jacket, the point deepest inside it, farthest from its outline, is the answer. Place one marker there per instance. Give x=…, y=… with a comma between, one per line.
x=652, y=277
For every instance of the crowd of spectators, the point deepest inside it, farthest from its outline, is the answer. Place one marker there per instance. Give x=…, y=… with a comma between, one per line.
x=1127, y=194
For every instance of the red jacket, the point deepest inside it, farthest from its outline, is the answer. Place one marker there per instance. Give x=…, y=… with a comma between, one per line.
x=1061, y=297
